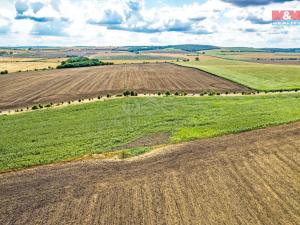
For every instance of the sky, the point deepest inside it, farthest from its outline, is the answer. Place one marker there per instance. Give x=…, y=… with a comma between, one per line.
x=227, y=23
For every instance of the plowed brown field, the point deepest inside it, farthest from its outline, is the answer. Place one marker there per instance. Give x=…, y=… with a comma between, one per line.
x=23, y=89
x=247, y=178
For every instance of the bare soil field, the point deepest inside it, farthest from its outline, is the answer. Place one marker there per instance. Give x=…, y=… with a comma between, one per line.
x=28, y=88
x=246, y=178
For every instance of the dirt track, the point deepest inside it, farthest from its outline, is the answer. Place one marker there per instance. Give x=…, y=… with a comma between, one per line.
x=248, y=178
x=26, y=89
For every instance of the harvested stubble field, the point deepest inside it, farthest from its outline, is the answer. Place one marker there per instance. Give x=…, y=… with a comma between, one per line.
x=247, y=178
x=23, y=89
x=12, y=64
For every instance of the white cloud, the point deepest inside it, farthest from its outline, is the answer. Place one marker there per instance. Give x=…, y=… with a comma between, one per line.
x=128, y=22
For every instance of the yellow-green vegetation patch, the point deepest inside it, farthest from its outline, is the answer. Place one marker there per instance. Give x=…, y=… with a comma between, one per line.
x=266, y=77
x=127, y=153
x=190, y=133
x=58, y=134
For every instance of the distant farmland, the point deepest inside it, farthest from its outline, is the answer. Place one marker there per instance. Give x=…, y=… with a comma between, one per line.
x=259, y=57
x=135, y=57
x=23, y=89
x=259, y=76
x=23, y=64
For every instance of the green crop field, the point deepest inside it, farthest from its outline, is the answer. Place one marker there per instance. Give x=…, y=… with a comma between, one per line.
x=266, y=77
x=53, y=135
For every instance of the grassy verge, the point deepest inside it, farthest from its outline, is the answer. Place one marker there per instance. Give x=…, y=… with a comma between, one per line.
x=265, y=77
x=54, y=135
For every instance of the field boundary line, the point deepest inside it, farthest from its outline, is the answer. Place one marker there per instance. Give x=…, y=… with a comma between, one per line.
x=149, y=95
x=215, y=75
